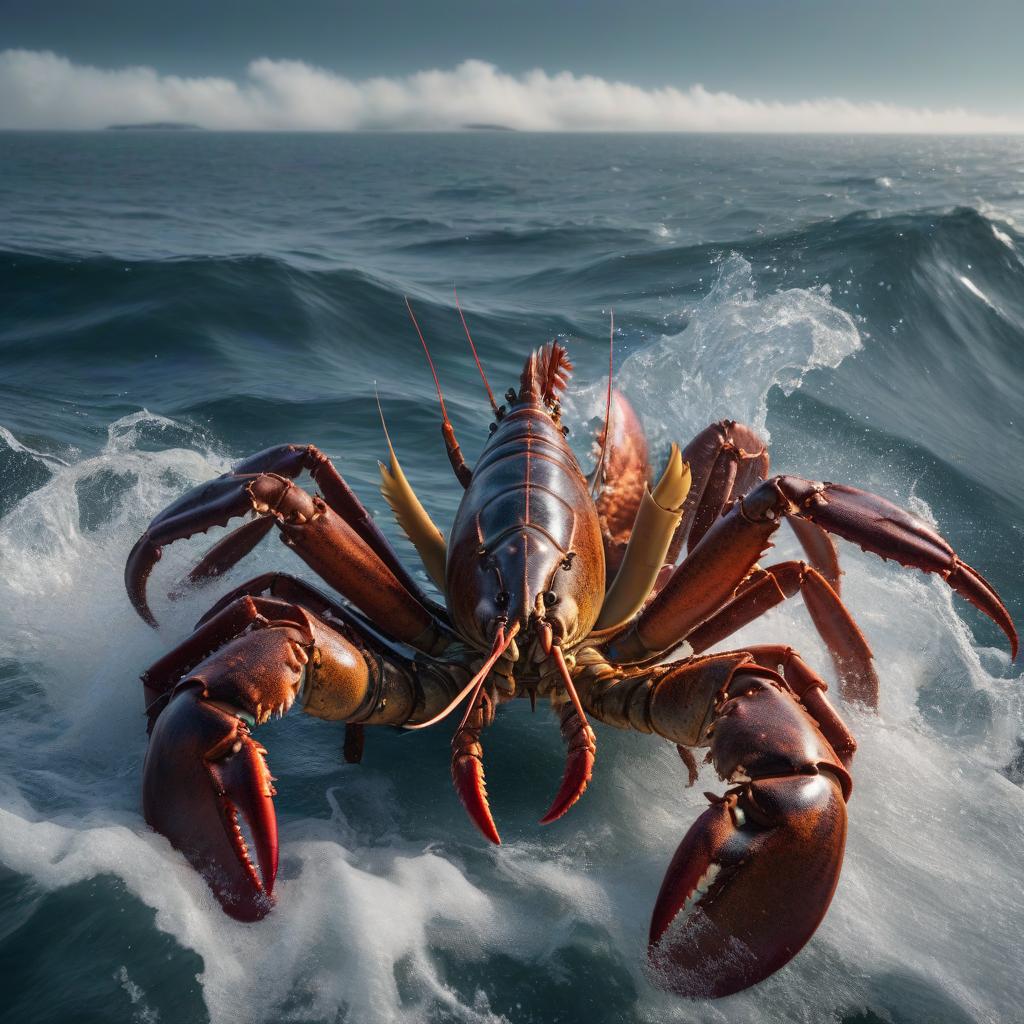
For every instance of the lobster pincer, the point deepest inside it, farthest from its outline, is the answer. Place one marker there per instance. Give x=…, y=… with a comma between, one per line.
x=204, y=777
x=206, y=783
x=755, y=874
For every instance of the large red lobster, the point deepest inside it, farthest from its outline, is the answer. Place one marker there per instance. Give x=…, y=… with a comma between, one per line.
x=548, y=592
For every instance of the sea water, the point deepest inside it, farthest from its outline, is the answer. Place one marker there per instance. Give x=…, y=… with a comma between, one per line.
x=171, y=302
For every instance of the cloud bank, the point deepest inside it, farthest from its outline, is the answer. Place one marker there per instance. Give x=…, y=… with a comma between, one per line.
x=39, y=89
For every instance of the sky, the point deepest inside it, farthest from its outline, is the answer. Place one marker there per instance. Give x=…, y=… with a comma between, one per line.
x=732, y=65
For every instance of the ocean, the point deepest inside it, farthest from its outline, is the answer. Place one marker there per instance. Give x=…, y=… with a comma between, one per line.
x=173, y=301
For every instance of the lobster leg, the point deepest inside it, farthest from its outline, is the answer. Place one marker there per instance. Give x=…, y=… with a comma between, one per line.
x=468, y=765
x=727, y=553
x=820, y=549
x=231, y=620
x=204, y=772
x=755, y=874
x=226, y=552
x=281, y=585
x=725, y=460
x=581, y=749
x=810, y=690
x=290, y=588
x=218, y=501
x=581, y=745
x=318, y=535
x=765, y=588
x=341, y=498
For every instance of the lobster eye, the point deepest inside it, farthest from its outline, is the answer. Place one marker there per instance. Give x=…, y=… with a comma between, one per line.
x=550, y=598
x=501, y=599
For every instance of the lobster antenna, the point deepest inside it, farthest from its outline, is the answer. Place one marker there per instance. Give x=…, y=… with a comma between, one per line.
x=607, y=407
x=469, y=338
x=498, y=648
x=570, y=689
x=380, y=412
x=437, y=383
x=462, y=472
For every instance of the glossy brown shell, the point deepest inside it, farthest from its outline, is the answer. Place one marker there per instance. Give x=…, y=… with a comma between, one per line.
x=526, y=525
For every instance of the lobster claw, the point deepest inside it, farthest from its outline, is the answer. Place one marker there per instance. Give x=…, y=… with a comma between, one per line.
x=213, y=503
x=204, y=774
x=748, y=885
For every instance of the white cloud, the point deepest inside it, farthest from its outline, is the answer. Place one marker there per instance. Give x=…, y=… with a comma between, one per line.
x=43, y=90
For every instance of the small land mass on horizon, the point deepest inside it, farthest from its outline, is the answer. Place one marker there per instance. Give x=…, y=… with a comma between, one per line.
x=155, y=126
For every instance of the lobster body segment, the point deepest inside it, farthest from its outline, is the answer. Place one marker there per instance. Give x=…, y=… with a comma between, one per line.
x=526, y=574
x=526, y=531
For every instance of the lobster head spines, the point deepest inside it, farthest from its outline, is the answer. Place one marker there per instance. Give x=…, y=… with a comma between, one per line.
x=545, y=375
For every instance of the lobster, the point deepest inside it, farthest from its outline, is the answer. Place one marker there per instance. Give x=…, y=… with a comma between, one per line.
x=556, y=586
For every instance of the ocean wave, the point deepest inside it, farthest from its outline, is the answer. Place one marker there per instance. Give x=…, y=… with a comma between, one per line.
x=858, y=182
x=474, y=192
x=926, y=289
x=879, y=348
x=517, y=243
x=605, y=253
x=389, y=909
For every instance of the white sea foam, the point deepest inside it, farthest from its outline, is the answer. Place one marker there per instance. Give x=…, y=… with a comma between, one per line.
x=1003, y=237
x=998, y=219
x=370, y=914
x=144, y=1014
x=737, y=344
x=975, y=290
x=16, y=446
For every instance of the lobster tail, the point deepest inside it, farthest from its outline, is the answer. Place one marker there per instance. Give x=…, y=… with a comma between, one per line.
x=545, y=374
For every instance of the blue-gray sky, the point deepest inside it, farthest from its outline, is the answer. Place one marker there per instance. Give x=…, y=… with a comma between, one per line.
x=912, y=53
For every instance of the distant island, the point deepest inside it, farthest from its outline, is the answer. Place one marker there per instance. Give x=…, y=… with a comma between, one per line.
x=155, y=126
x=483, y=127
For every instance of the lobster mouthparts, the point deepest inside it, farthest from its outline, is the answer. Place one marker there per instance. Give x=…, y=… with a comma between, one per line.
x=205, y=783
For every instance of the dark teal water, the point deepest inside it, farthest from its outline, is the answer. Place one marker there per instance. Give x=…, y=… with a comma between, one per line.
x=172, y=302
